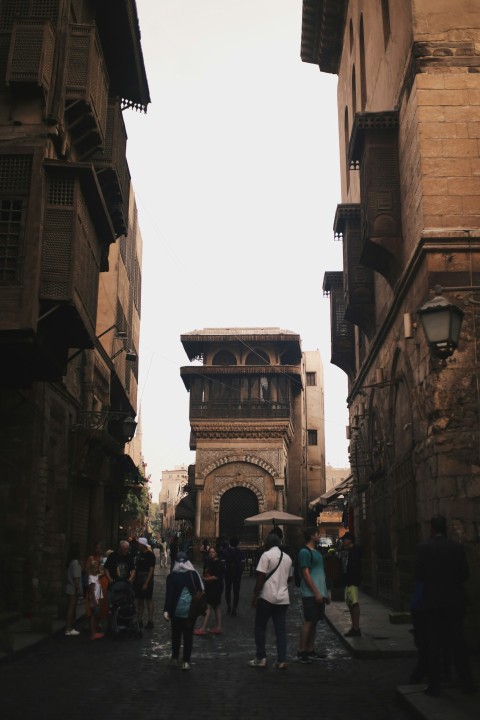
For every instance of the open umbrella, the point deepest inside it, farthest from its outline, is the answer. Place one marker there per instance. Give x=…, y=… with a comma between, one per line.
x=274, y=517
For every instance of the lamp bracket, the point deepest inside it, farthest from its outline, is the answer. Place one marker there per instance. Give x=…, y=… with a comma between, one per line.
x=92, y=420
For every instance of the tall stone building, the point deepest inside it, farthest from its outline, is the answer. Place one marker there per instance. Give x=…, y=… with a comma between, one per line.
x=259, y=444
x=69, y=327
x=409, y=220
x=174, y=487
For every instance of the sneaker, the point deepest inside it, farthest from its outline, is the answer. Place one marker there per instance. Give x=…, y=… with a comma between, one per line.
x=97, y=636
x=215, y=631
x=200, y=631
x=353, y=633
x=258, y=662
x=303, y=658
x=174, y=661
x=281, y=665
x=316, y=656
x=234, y=612
x=185, y=666
x=72, y=632
x=149, y=625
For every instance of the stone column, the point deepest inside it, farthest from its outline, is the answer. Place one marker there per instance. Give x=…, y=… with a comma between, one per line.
x=198, y=513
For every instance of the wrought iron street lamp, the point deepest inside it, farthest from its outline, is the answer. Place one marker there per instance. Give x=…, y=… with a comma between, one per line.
x=91, y=420
x=441, y=322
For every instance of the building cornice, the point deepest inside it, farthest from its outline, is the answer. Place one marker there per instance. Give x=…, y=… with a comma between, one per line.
x=217, y=430
x=323, y=28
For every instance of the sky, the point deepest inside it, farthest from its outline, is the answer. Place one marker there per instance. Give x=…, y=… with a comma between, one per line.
x=236, y=174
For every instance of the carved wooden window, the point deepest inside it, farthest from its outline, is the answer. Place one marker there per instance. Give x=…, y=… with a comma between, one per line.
x=12, y=10
x=112, y=168
x=11, y=214
x=342, y=335
x=374, y=150
x=86, y=92
x=15, y=177
x=30, y=58
x=71, y=247
x=358, y=281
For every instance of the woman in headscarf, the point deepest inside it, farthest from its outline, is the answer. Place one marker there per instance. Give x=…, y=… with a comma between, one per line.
x=182, y=583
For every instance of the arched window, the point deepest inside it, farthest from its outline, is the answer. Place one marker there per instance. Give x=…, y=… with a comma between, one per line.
x=354, y=94
x=346, y=131
x=224, y=358
x=258, y=357
x=386, y=21
x=351, y=34
x=363, y=75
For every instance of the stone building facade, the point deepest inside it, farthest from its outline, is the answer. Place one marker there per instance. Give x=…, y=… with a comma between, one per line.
x=68, y=69
x=248, y=416
x=174, y=487
x=409, y=220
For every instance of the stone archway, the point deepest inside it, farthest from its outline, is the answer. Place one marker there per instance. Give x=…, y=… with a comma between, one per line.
x=236, y=504
x=242, y=458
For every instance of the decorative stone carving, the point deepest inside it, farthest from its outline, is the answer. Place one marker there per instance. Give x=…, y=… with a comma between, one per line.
x=221, y=430
x=249, y=484
x=241, y=458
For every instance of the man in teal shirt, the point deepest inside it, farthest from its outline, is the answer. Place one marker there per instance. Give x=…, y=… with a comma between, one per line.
x=313, y=589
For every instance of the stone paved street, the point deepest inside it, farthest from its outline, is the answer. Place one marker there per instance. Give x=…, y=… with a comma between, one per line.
x=76, y=678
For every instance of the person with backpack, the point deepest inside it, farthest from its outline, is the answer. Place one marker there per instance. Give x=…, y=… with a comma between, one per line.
x=182, y=584
x=310, y=576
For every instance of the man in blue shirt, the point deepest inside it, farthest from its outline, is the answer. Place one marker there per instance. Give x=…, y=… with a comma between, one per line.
x=313, y=589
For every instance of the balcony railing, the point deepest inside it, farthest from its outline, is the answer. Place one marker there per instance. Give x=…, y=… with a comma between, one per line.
x=240, y=410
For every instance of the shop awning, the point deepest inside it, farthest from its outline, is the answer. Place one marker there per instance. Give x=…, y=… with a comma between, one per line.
x=185, y=510
x=332, y=494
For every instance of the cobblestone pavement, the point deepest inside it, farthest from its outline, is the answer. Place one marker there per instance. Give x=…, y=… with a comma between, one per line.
x=72, y=677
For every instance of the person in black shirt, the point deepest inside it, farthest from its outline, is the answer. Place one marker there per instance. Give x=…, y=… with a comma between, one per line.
x=234, y=563
x=143, y=583
x=119, y=565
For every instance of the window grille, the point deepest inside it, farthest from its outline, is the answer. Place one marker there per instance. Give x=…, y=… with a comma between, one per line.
x=11, y=10
x=311, y=378
x=15, y=173
x=61, y=190
x=10, y=240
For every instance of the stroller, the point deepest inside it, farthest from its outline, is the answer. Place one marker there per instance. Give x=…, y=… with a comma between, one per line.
x=122, y=614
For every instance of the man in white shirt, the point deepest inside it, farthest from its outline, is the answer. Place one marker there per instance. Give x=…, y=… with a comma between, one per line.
x=271, y=600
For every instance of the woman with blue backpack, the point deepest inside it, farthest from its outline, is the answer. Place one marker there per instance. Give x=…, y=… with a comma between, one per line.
x=183, y=583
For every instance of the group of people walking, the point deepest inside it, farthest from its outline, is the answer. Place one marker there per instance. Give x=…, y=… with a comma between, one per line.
x=437, y=615
x=133, y=562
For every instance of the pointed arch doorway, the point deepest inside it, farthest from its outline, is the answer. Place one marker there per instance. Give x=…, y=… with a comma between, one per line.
x=236, y=505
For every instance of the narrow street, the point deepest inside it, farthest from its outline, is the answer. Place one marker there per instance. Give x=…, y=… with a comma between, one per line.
x=76, y=678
